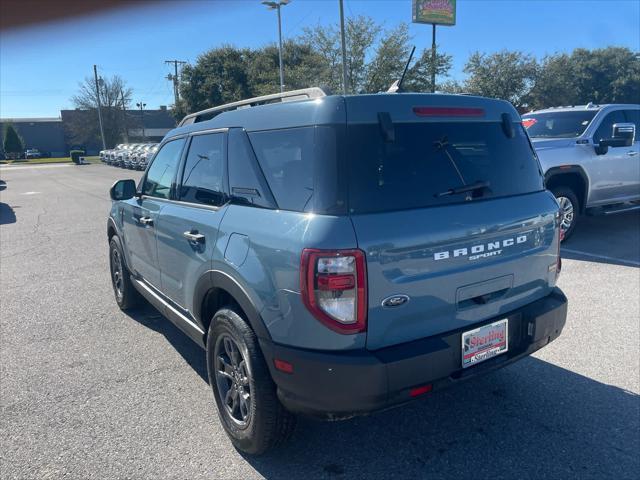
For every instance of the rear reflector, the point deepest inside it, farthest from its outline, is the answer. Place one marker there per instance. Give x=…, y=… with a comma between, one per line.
x=414, y=392
x=283, y=366
x=448, y=112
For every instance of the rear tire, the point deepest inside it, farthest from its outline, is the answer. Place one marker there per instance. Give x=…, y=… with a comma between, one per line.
x=127, y=297
x=248, y=405
x=569, y=209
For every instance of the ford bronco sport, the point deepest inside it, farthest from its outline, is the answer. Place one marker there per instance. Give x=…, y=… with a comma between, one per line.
x=337, y=255
x=590, y=156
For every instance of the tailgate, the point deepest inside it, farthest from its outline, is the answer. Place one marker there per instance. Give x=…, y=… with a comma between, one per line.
x=458, y=264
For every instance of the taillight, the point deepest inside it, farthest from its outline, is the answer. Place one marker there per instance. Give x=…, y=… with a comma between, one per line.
x=448, y=112
x=333, y=284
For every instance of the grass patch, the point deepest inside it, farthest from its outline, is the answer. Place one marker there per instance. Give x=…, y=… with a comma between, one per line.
x=36, y=161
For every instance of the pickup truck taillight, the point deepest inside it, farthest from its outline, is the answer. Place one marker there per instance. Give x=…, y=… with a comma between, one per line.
x=333, y=284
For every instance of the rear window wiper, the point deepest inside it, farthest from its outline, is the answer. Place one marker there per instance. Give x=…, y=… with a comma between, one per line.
x=463, y=189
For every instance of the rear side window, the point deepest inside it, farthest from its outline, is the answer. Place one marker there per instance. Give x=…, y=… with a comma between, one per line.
x=202, y=177
x=426, y=160
x=246, y=180
x=287, y=159
x=162, y=171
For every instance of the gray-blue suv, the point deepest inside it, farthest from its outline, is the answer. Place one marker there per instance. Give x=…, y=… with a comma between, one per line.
x=337, y=255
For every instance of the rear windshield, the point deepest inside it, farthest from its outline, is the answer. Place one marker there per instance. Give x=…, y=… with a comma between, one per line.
x=427, y=160
x=557, y=124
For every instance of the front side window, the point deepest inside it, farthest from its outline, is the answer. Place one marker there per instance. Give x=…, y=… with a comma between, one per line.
x=633, y=116
x=202, y=179
x=605, y=130
x=162, y=171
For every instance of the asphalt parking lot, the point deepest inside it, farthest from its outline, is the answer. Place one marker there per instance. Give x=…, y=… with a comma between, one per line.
x=87, y=391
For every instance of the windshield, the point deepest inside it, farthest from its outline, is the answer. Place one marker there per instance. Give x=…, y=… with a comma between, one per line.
x=557, y=124
x=437, y=163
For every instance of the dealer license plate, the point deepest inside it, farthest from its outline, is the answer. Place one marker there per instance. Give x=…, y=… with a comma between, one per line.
x=485, y=342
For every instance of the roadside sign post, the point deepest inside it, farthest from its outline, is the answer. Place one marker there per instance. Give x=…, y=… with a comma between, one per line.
x=435, y=12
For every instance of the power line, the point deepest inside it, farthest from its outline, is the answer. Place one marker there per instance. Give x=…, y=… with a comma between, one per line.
x=175, y=77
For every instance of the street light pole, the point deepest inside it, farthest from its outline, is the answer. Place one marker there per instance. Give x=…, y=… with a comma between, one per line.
x=141, y=106
x=276, y=6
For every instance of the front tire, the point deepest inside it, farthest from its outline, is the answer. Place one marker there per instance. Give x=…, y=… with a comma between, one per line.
x=569, y=209
x=127, y=296
x=248, y=405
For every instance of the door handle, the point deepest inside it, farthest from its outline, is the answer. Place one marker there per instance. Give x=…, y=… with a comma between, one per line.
x=147, y=221
x=632, y=153
x=194, y=237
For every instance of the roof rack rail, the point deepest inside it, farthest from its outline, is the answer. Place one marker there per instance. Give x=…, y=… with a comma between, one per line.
x=291, y=96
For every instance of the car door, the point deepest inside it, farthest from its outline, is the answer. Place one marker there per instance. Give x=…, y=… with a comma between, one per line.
x=188, y=227
x=633, y=154
x=141, y=213
x=609, y=173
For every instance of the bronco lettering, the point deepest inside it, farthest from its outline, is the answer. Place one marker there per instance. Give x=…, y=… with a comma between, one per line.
x=492, y=248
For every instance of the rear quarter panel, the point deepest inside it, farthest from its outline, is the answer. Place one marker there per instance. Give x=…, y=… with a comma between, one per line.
x=269, y=270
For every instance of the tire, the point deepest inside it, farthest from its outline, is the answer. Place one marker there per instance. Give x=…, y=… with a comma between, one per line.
x=569, y=209
x=127, y=297
x=253, y=417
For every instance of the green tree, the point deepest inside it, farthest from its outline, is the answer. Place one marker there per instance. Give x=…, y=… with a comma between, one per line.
x=361, y=34
x=114, y=98
x=418, y=78
x=219, y=76
x=389, y=60
x=304, y=67
x=606, y=75
x=13, y=145
x=508, y=75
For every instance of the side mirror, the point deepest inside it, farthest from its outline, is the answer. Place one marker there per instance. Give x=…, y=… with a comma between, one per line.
x=123, y=190
x=625, y=132
x=623, y=135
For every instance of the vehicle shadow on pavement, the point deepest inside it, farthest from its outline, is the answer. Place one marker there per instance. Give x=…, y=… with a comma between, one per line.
x=613, y=239
x=7, y=214
x=530, y=420
x=194, y=355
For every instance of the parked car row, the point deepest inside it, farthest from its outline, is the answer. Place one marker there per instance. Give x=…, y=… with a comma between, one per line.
x=134, y=156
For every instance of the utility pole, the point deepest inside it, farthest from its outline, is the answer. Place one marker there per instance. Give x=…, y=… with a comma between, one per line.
x=95, y=75
x=124, y=117
x=344, y=51
x=175, y=78
x=276, y=6
x=141, y=106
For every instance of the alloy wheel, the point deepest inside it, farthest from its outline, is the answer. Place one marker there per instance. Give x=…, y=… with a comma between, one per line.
x=566, y=212
x=116, y=272
x=233, y=380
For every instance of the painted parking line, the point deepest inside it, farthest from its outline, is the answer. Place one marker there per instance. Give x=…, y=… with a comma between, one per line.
x=631, y=263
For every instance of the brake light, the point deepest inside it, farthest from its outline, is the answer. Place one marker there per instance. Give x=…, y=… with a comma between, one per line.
x=528, y=122
x=448, y=112
x=333, y=284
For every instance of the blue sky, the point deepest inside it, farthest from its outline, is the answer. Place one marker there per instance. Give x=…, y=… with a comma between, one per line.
x=40, y=67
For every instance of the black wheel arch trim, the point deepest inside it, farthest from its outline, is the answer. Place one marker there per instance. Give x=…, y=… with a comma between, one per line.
x=570, y=169
x=218, y=279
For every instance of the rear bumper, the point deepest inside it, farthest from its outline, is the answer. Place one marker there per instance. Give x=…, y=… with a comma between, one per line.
x=335, y=385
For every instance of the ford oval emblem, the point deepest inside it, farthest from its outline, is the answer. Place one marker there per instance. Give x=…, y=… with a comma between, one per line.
x=395, y=300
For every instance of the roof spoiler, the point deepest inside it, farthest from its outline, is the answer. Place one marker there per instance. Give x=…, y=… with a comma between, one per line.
x=291, y=96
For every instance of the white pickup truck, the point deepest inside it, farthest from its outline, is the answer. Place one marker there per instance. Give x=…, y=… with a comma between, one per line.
x=590, y=155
